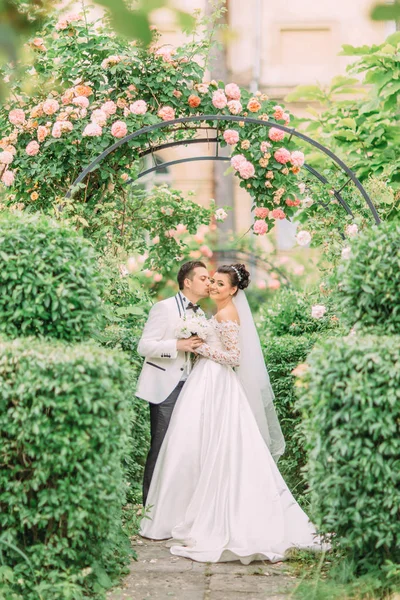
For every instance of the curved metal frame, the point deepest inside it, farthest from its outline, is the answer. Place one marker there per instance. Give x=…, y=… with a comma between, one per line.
x=251, y=120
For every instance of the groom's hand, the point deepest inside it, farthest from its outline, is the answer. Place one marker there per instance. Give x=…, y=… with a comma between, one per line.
x=190, y=344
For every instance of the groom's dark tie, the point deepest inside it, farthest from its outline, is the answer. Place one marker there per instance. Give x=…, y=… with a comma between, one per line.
x=193, y=307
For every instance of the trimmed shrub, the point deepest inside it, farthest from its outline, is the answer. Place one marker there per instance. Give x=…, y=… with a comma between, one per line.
x=282, y=355
x=369, y=281
x=64, y=421
x=351, y=404
x=48, y=278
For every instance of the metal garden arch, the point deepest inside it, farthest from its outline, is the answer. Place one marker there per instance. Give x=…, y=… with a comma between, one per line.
x=181, y=125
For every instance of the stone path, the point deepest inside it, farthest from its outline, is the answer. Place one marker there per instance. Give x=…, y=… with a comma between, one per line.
x=157, y=575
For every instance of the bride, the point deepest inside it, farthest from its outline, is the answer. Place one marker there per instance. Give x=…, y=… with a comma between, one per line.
x=216, y=489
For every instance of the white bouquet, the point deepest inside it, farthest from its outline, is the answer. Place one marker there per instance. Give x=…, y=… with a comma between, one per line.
x=188, y=326
x=192, y=325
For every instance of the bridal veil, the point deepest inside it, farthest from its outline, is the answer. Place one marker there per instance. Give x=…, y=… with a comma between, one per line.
x=254, y=378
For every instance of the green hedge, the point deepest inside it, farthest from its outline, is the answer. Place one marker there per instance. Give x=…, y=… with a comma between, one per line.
x=290, y=314
x=64, y=421
x=369, y=281
x=351, y=405
x=48, y=279
x=282, y=355
x=126, y=306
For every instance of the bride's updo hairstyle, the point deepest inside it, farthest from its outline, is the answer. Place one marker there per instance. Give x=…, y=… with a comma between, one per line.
x=238, y=275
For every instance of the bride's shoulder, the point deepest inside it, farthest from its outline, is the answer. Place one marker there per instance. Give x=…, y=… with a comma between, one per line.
x=229, y=314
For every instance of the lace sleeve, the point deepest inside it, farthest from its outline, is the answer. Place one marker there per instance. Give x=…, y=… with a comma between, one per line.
x=228, y=332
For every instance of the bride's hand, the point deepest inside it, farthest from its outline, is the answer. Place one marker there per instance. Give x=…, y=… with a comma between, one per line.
x=189, y=344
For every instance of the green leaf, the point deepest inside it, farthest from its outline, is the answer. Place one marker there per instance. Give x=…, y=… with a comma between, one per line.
x=348, y=50
x=134, y=25
x=340, y=81
x=386, y=12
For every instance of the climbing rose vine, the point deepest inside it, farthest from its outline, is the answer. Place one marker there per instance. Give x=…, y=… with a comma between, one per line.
x=105, y=88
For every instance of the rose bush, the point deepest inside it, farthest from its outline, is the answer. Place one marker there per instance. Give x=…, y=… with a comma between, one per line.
x=101, y=90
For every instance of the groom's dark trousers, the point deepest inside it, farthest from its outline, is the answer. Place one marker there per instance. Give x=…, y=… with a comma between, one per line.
x=160, y=416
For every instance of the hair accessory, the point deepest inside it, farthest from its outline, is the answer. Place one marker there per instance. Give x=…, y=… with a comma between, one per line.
x=237, y=273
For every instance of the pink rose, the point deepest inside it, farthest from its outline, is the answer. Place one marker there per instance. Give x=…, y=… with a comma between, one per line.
x=119, y=129
x=352, y=230
x=110, y=61
x=16, y=116
x=181, y=228
x=231, y=136
x=166, y=53
x=318, y=311
x=206, y=251
x=261, y=284
x=264, y=146
x=6, y=157
x=298, y=270
x=8, y=178
x=234, y=107
x=297, y=158
x=277, y=213
x=81, y=101
x=157, y=277
x=109, y=107
x=56, y=131
x=260, y=227
x=99, y=116
x=42, y=133
x=253, y=105
x=194, y=101
x=61, y=126
x=138, y=108
x=237, y=160
x=166, y=113
x=67, y=97
x=246, y=170
x=219, y=99
x=303, y=238
x=278, y=112
x=92, y=130
x=202, y=88
x=290, y=202
x=286, y=118
x=282, y=156
x=232, y=91
x=61, y=24
x=274, y=284
x=261, y=212
x=276, y=135
x=50, y=106
x=32, y=148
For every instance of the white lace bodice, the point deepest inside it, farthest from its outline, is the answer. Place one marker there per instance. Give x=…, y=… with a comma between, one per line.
x=222, y=343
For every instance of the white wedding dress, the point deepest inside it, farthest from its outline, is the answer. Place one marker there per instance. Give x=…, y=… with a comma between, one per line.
x=216, y=490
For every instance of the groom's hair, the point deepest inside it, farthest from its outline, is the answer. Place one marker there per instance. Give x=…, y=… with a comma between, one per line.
x=186, y=271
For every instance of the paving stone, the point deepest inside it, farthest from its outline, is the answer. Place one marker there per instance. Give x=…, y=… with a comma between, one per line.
x=243, y=596
x=251, y=584
x=158, y=575
x=161, y=586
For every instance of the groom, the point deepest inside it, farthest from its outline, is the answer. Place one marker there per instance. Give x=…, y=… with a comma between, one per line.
x=163, y=374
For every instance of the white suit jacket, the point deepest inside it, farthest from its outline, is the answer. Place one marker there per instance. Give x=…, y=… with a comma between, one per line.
x=164, y=365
